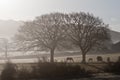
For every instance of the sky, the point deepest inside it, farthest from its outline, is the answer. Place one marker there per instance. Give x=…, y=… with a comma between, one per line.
x=23, y=10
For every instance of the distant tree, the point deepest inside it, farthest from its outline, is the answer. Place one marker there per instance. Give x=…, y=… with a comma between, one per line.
x=45, y=32
x=87, y=32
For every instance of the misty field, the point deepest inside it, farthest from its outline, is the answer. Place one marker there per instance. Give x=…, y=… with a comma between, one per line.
x=76, y=58
x=17, y=57
x=93, y=66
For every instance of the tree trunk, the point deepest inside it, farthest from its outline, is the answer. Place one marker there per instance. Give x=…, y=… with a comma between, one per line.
x=83, y=58
x=52, y=55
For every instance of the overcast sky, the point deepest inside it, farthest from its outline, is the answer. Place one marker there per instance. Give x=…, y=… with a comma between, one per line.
x=108, y=10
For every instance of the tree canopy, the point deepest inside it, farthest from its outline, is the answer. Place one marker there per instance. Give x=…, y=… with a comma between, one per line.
x=87, y=31
x=53, y=30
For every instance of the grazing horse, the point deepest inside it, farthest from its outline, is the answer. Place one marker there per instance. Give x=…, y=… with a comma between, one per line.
x=69, y=59
x=90, y=60
x=99, y=59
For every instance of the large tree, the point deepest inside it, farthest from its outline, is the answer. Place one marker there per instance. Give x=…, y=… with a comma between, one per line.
x=51, y=30
x=45, y=32
x=87, y=32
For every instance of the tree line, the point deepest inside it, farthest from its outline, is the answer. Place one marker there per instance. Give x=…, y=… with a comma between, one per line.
x=54, y=30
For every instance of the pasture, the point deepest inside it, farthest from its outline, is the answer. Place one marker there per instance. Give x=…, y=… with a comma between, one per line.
x=94, y=66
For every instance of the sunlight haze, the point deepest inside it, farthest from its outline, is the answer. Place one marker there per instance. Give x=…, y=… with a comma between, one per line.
x=23, y=10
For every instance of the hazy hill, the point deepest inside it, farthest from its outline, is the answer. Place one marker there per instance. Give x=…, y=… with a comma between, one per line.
x=115, y=36
x=9, y=27
x=116, y=47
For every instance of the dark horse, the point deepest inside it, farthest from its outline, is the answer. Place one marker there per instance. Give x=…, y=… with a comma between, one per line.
x=69, y=59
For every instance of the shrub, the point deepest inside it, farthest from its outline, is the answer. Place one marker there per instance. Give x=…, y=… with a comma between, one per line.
x=60, y=70
x=9, y=72
x=108, y=59
x=113, y=68
x=44, y=70
x=23, y=74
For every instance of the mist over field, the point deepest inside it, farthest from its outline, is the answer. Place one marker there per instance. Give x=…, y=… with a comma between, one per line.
x=59, y=40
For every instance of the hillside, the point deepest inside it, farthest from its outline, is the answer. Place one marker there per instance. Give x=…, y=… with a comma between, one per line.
x=116, y=47
x=8, y=28
x=115, y=36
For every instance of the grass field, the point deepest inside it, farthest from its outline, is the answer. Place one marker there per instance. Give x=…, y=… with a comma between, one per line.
x=93, y=66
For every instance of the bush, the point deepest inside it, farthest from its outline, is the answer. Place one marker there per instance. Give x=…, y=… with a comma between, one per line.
x=9, y=72
x=59, y=70
x=23, y=74
x=113, y=68
x=44, y=70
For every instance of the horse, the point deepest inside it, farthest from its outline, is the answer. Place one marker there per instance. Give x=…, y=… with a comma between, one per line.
x=99, y=59
x=70, y=59
x=90, y=60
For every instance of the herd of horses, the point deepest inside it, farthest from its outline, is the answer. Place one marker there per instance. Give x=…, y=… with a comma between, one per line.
x=99, y=59
x=72, y=59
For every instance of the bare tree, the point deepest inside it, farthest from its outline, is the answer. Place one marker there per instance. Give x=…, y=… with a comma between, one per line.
x=87, y=32
x=45, y=32
x=49, y=32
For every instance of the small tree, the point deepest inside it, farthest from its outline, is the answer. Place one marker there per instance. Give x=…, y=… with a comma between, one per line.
x=87, y=32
